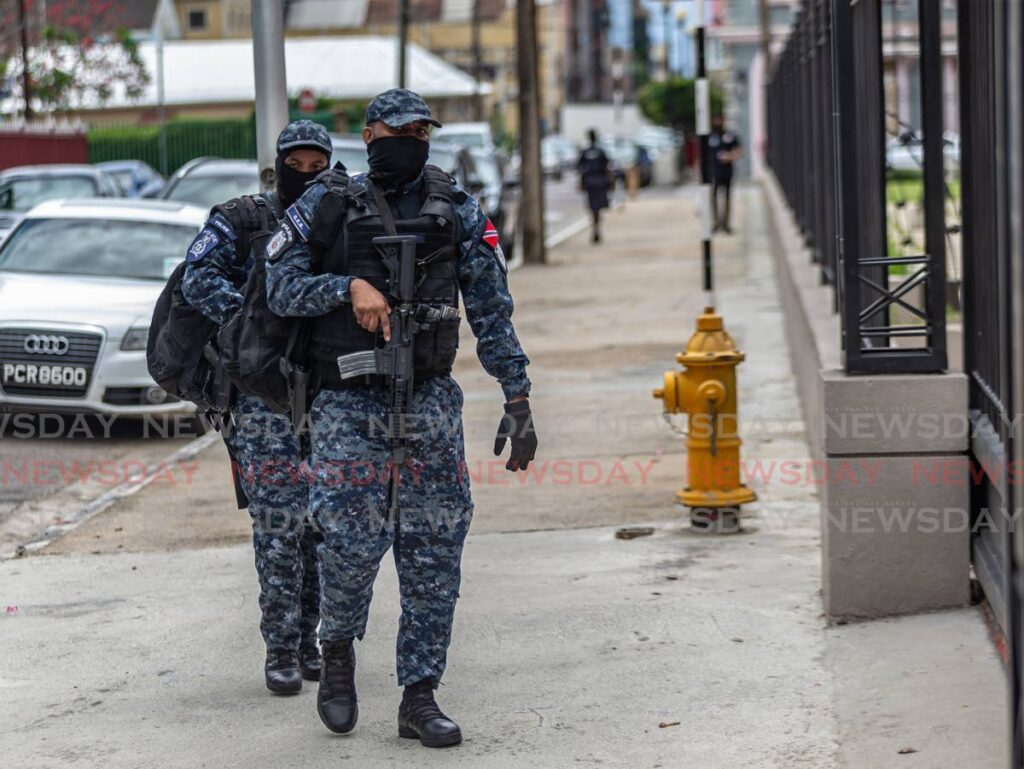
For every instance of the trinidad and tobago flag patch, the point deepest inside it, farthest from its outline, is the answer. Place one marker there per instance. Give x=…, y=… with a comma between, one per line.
x=490, y=235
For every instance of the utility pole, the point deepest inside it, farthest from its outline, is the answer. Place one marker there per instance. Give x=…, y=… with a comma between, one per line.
x=403, y=39
x=474, y=31
x=529, y=133
x=26, y=80
x=703, y=130
x=161, y=110
x=764, y=21
x=271, y=84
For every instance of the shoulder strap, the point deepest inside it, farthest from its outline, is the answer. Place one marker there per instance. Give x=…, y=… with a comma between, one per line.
x=438, y=200
x=383, y=209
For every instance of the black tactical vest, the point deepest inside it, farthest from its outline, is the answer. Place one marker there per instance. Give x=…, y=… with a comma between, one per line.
x=353, y=254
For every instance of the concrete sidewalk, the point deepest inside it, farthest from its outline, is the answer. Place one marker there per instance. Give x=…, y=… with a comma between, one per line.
x=135, y=639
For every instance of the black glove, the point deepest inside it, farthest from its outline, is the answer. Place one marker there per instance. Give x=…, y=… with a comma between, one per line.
x=517, y=426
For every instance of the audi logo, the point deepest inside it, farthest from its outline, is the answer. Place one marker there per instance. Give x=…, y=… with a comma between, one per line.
x=38, y=344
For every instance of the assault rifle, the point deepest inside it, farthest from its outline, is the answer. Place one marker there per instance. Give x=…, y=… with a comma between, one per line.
x=395, y=359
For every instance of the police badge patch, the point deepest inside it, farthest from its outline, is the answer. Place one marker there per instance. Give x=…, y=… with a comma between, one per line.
x=202, y=245
x=295, y=215
x=279, y=242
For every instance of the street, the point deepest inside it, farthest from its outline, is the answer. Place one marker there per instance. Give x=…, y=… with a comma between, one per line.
x=52, y=466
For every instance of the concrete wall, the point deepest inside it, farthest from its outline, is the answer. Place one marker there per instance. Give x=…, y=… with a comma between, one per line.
x=896, y=507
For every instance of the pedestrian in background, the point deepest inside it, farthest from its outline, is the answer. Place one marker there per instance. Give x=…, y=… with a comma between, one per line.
x=725, y=150
x=596, y=179
x=267, y=456
x=345, y=294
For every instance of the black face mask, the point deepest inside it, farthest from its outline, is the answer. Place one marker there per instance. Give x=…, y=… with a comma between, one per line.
x=291, y=183
x=397, y=160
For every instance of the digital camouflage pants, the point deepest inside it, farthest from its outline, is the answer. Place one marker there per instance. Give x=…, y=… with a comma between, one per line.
x=273, y=470
x=351, y=455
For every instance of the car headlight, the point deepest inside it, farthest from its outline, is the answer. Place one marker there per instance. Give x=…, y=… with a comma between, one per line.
x=136, y=339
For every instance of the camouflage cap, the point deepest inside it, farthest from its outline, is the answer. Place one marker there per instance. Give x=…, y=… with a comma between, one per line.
x=398, y=107
x=304, y=134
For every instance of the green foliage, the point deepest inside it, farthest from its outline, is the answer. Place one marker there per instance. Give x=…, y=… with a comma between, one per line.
x=672, y=103
x=186, y=140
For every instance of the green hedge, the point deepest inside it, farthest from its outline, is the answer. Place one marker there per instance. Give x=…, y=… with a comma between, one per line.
x=186, y=139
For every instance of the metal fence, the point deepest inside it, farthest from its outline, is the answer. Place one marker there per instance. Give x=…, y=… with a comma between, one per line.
x=827, y=147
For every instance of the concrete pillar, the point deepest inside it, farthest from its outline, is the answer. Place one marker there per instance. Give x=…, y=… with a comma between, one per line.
x=896, y=510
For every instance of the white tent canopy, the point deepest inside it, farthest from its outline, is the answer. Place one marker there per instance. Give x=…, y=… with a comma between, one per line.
x=221, y=71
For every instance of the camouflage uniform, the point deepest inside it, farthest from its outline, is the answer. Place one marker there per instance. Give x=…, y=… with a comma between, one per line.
x=351, y=452
x=269, y=458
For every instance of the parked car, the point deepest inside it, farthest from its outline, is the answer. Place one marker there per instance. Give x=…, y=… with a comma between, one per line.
x=626, y=153
x=906, y=151
x=351, y=151
x=23, y=187
x=205, y=182
x=551, y=162
x=564, y=149
x=458, y=161
x=137, y=179
x=499, y=198
x=467, y=135
x=78, y=283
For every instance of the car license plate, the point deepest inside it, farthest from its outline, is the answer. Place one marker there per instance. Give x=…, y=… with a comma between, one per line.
x=45, y=376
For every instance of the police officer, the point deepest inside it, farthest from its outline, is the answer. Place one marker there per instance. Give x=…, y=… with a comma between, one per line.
x=596, y=179
x=726, y=149
x=457, y=252
x=268, y=457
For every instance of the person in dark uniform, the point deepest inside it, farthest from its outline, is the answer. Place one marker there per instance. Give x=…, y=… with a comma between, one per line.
x=725, y=150
x=596, y=180
x=347, y=297
x=268, y=455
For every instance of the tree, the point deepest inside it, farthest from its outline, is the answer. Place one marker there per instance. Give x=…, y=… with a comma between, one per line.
x=76, y=52
x=672, y=103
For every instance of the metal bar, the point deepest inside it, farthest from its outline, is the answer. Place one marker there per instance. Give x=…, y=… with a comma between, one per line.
x=703, y=109
x=932, y=97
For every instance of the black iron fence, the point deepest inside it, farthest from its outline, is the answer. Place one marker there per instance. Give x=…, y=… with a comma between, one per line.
x=827, y=147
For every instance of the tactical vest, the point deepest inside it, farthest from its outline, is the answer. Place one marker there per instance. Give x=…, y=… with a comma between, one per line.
x=437, y=237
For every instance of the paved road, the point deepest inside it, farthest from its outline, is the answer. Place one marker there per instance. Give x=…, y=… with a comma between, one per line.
x=40, y=457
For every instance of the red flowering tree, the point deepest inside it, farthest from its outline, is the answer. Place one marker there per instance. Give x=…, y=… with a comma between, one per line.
x=68, y=53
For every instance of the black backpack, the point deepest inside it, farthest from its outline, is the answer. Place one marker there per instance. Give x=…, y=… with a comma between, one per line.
x=181, y=354
x=261, y=352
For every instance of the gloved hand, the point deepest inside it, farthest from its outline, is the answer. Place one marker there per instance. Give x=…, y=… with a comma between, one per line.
x=517, y=426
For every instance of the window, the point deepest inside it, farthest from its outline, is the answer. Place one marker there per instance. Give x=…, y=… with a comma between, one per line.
x=197, y=19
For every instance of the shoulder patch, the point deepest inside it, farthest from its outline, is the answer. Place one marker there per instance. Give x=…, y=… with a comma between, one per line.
x=490, y=234
x=499, y=256
x=280, y=241
x=224, y=226
x=297, y=220
x=205, y=241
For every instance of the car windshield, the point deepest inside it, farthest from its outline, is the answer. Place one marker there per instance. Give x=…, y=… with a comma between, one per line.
x=21, y=194
x=102, y=247
x=353, y=158
x=208, y=191
x=443, y=158
x=125, y=178
x=462, y=139
x=487, y=170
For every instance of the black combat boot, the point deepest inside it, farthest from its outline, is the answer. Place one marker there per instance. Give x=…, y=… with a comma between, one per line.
x=336, y=699
x=309, y=660
x=282, y=672
x=420, y=718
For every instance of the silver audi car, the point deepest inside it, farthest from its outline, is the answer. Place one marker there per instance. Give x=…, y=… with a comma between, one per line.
x=78, y=283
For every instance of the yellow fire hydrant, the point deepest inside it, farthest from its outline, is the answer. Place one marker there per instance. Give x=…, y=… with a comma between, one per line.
x=706, y=391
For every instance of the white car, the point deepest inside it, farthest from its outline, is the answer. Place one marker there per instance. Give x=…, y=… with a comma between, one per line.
x=78, y=283
x=466, y=135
